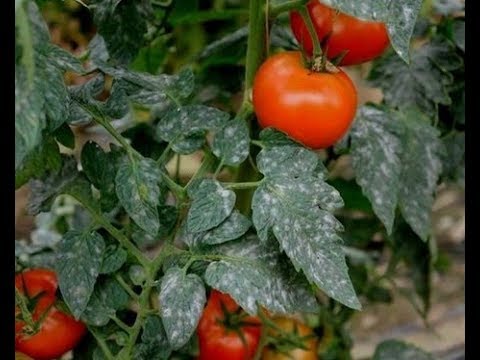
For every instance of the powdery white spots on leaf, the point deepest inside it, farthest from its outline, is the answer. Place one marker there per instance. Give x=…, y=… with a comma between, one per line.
x=376, y=158
x=78, y=265
x=399, y=350
x=232, y=143
x=185, y=127
x=211, y=205
x=136, y=185
x=257, y=273
x=181, y=300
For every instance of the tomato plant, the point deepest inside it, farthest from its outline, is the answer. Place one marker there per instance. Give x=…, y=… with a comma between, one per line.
x=314, y=108
x=165, y=221
x=225, y=331
x=343, y=36
x=57, y=331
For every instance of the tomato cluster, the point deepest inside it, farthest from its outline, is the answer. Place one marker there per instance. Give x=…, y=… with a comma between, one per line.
x=316, y=106
x=58, y=332
x=341, y=34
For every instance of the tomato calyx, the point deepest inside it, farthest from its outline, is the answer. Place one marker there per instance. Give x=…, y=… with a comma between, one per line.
x=235, y=321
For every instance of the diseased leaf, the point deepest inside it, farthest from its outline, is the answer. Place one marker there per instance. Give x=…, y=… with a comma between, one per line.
x=295, y=205
x=424, y=83
x=154, y=344
x=45, y=159
x=255, y=272
x=376, y=149
x=181, y=300
x=399, y=350
x=107, y=298
x=272, y=137
x=397, y=160
x=211, y=204
x=113, y=259
x=234, y=226
x=137, y=188
x=167, y=218
x=78, y=265
x=232, y=143
x=422, y=166
x=122, y=25
x=185, y=127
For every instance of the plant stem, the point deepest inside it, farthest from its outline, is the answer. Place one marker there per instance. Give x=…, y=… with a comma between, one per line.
x=256, y=42
x=22, y=303
x=173, y=186
x=165, y=154
x=285, y=6
x=317, y=49
x=102, y=344
x=125, y=286
x=208, y=161
x=244, y=185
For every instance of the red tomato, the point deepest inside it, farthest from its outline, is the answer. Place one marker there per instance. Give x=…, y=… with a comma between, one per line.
x=218, y=331
x=363, y=40
x=59, y=332
x=314, y=108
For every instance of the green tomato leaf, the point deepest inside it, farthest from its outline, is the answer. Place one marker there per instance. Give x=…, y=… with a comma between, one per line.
x=255, y=272
x=137, y=188
x=422, y=166
x=296, y=205
x=185, y=127
x=122, y=25
x=232, y=143
x=376, y=149
x=154, y=344
x=45, y=159
x=78, y=265
x=234, y=226
x=211, y=205
x=399, y=350
x=107, y=298
x=167, y=219
x=424, y=83
x=181, y=300
x=113, y=259
x=271, y=137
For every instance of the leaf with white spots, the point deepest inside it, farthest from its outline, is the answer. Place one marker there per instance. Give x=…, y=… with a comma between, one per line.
x=181, y=300
x=78, y=265
x=287, y=160
x=424, y=83
x=163, y=91
x=376, y=150
x=107, y=298
x=399, y=16
x=211, y=204
x=296, y=206
x=234, y=226
x=137, y=188
x=113, y=259
x=185, y=127
x=399, y=350
x=232, y=143
x=255, y=272
x=154, y=344
x=271, y=137
x=422, y=166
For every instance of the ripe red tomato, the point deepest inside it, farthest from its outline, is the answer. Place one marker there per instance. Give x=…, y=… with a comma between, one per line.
x=313, y=108
x=291, y=325
x=363, y=40
x=221, y=328
x=59, y=332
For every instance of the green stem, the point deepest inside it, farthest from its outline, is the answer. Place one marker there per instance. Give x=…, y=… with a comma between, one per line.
x=317, y=49
x=165, y=154
x=177, y=190
x=117, y=234
x=22, y=303
x=243, y=186
x=101, y=344
x=120, y=324
x=207, y=163
x=285, y=6
x=255, y=44
x=125, y=286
